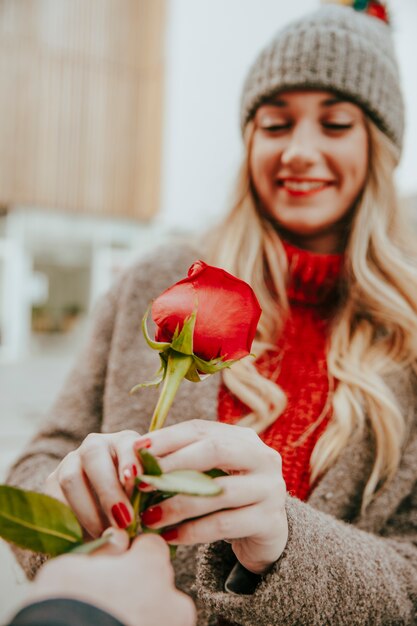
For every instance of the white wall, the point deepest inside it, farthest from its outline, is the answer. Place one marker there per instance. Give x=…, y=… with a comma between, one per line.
x=210, y=46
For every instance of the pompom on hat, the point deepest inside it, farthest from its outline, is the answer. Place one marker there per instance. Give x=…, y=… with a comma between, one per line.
x=346, y=48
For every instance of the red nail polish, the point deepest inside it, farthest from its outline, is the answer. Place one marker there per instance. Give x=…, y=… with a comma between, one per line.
x=142, y=485
x=142, y=443
x=121, y=515
x=152, y=515
x=170, y=535
x=129, y=473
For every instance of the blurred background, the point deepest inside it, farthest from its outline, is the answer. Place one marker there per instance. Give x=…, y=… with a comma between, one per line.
x=119, y=129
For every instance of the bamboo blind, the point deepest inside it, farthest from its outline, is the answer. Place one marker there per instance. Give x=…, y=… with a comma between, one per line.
x=81, y=87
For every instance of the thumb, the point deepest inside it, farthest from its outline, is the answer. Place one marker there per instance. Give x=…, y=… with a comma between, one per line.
x=151, y=543
x=118, y=542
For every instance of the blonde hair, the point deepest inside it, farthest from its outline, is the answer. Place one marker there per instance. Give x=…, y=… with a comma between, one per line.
x=374, y=331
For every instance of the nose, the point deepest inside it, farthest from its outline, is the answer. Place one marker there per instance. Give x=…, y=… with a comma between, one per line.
x=302, y=150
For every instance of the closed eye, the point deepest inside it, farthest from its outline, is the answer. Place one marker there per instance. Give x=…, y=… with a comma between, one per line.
x=329, y=126
x=276, y=127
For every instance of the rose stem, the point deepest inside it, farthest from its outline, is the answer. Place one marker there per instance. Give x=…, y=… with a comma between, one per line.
x=177, y=367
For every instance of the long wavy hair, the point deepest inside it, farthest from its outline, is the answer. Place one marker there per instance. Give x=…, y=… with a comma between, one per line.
x=374, y=331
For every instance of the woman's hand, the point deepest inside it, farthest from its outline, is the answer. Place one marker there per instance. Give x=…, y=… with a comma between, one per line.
x=250, y=513
x=97, y=479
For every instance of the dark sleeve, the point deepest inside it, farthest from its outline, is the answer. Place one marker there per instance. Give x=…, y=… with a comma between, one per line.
x=63, y=612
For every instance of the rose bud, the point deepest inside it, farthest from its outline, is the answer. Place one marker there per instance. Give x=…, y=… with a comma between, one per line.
x=227, y=312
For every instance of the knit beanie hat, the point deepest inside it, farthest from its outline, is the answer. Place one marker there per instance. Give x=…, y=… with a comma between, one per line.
x=338, y=49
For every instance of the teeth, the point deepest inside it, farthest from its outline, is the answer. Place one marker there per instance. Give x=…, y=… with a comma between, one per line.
x=302, y=186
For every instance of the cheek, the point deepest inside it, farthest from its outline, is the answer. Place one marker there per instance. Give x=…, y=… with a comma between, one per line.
x=354, y=162
x=263, y=163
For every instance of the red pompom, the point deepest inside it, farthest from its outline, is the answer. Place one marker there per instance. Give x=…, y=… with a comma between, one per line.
x=378, y=10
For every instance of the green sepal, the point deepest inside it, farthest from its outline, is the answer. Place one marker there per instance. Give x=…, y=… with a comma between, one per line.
x=183, y=342
x=211, y=367
x=160, y=346
x=193, y=375
x=189, y=482
x=149, y=383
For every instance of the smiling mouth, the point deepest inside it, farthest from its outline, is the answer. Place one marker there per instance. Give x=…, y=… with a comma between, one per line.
x=303, y=186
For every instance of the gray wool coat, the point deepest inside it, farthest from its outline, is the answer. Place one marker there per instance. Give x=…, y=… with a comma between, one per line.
x=339, y=566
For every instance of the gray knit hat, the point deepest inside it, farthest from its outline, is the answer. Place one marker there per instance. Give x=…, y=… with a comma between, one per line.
x=338, y=49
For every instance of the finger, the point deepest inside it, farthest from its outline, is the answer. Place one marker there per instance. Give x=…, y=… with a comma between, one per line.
x=53, y=488
x=238, y=491
x=151, y=554
x=117, y=543
x=232, y=524
x=150, y=543
x=101, y=472
x=186, y=608
x=171, y=438
x=128, y=464
x=237, y=455
x=77, y=493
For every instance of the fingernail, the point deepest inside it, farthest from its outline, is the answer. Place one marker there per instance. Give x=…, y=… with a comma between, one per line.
x=142, y=485
x=170, y=535
x=152, y=515
x=130, y=472
x=121, y=515
x=142, y=443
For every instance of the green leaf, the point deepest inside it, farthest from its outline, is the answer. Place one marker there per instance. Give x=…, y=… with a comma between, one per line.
x=92, y=546
x=188, y=482
x=155, y=345
x=215, y=473
x=37, y=522
x=149, y=463
x=183, y=343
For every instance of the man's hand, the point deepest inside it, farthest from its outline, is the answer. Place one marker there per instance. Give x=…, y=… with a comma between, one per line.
x=135, y=585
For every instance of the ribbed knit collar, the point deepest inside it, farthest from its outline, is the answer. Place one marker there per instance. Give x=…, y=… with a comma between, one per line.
x=314, y=278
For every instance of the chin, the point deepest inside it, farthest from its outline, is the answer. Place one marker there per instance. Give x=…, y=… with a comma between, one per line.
x=301, y=229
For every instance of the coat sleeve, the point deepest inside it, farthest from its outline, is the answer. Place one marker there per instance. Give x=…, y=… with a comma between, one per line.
x=63, y=612
x=77, y=412
x=329, y=573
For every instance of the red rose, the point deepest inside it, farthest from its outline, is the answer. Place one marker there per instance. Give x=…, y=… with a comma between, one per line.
x=227, y=312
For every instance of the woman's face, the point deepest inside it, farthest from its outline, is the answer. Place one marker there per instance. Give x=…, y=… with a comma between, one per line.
x=308, y=163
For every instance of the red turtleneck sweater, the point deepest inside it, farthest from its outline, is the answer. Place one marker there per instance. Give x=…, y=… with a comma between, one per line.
x=299, y=366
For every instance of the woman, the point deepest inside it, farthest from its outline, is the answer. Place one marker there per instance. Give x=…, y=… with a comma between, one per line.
x=317, y=520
